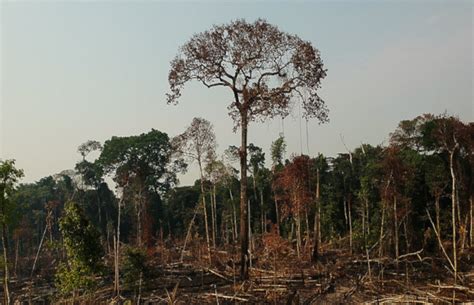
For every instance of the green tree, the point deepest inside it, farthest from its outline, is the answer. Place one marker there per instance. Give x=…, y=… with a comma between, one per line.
x=9, y=177
x=84, y=251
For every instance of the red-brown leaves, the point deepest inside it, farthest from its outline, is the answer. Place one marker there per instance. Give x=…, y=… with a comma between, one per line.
x=263, y=67
x=294, y=180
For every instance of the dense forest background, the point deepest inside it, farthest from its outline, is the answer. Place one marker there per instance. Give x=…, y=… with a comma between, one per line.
x=411, y=197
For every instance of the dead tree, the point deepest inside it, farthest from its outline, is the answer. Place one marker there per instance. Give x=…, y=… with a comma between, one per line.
x=264, y=69
x=198, y=143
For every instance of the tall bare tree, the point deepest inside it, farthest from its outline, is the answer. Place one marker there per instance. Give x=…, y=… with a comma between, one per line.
x=264, y=69
x=198, y=143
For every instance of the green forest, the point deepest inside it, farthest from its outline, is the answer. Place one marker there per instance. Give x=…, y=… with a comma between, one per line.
x=374, y=223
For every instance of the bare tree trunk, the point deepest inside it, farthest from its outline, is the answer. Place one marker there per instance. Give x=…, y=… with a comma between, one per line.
x=99, y=210
x=437, y=211
x=17, y=249
x=471, y=227
x=234, y=215
x=213, y=218
x=366, y=232
x=216, y=233
x=206, y=225
x=346, y=217
x=244, y=231
x=139, y=219
x=382, y=222
x=298, y=234
x=251, y=245
x=262, y=213
x=38, y=252
x=463, y=233
x=395, y=229
x=188, y=233
x=453, y=210
x=349, y=204
x=308, y=231
x=277, y=214
x=317, y=220
x=117, y=251
x=319, y=224
x=367, y=215
x=6, y=276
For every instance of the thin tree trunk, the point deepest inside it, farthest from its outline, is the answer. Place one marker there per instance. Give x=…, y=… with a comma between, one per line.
x=463, y=233
x=366, y=233
x=17, y=249
x=216, y=233
x=382, y=222
x=117, y=251
x=213, y=219
x=346, y=218
x=250, y=234
x=317, y=220
x=350, y=222
x=6, y=276
x=262, y=213
x=277, y=214
x=188, y=233
x=453, y=211
x=244, y=231
x=234, y=215
x=437, y=211
x=308, y=231
x=298, y=234
x=99, y=209
x=206, y=225
x=38, y=252
x=139, y=219
x=367, y=215
x=395, y=229
x=471, y=227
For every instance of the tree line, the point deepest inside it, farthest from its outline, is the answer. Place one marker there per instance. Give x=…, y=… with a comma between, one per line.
x=376, y=201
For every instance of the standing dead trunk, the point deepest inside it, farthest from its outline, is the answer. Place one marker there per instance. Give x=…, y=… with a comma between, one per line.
x=437, y=212
x=234, y=215
x=262, y=212
x=216, y=233
x=6, y=276
x=206, y=224
x=17, y=250
x=346, y=217
x=38, y=252
x=117, y=250
x=453, y=209
x=99, y=209
x=277, y=214
x=251, y=245
x=317, y=220
x=471, y=226
x=395, y=229
x=298, y=234
x=244, y=231
x=349, y=208
x=213, y=219
x=308, y=231
x=139, y=206
x=188, y=233
x=366, y=229
x=382, y=223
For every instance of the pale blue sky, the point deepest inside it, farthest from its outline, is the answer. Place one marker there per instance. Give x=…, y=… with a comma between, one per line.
x=90, y=70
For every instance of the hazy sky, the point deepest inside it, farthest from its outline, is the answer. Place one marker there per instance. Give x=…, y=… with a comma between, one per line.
x=90, y=70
